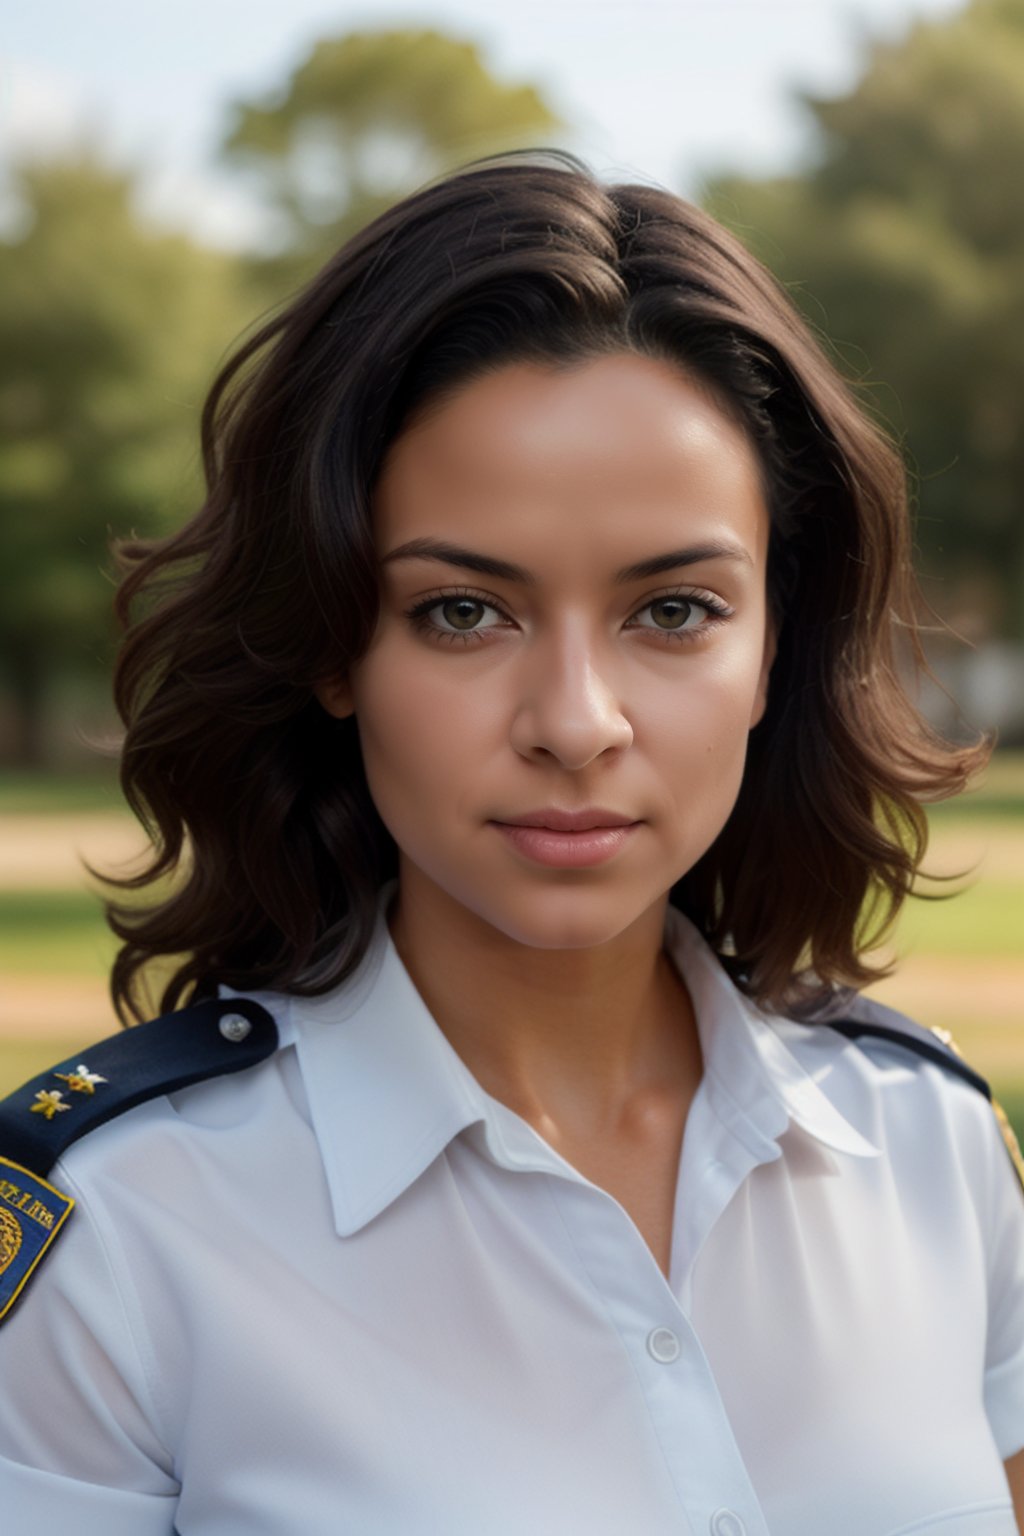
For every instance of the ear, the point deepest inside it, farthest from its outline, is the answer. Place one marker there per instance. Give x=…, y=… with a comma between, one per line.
x=771, y=645
x=335, y=696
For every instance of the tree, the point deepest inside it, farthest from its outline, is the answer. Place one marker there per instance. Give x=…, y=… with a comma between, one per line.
x=904, y=242
x=367, y=118
x=108, y=334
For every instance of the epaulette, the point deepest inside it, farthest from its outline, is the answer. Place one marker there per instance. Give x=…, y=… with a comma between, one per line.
x=40, y=1120
x=854, y=1015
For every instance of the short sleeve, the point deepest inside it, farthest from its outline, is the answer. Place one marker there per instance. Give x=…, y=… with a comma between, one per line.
x=1004, y=1355
x=78, y=1449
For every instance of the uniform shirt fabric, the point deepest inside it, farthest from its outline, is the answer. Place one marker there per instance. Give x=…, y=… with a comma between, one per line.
x=347, y=1291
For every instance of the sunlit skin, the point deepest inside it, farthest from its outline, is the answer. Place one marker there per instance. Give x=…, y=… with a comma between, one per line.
x=1015, y=1478
x=552, y=983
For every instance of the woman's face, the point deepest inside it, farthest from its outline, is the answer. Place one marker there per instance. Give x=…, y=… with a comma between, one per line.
x=571, y=688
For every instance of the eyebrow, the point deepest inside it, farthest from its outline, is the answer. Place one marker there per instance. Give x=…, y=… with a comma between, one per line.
x=504, y=570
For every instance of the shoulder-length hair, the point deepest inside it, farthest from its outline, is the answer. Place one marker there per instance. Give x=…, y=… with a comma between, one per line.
x=255, y=798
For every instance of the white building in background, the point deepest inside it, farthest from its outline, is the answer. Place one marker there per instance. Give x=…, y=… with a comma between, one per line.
x=985, y=690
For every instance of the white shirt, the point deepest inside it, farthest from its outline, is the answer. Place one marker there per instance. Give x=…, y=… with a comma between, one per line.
x=348, y=1293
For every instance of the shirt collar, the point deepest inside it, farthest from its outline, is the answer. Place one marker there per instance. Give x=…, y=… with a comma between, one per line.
x=754, y=1082
x=387, y=1092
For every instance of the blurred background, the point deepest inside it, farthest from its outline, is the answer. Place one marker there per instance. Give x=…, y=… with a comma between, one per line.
x=169, y=174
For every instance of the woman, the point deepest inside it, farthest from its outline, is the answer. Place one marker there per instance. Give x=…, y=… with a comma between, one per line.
x=525, y=699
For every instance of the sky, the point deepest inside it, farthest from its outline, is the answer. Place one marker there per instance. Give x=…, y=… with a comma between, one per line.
x=666, y=91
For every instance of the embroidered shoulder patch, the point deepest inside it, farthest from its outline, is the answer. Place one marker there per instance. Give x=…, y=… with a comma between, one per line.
x=32, y=1214
x=44, y=1117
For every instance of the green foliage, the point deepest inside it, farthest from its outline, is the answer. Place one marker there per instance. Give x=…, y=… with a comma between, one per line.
x=905, y=244
x=109, y=333
x=364, y=120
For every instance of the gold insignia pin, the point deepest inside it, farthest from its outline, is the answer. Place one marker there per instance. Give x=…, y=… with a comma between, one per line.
x=81, y=1080
x=50, y=1102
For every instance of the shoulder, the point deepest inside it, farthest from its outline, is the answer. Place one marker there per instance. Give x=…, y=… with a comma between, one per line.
x=869, y=1022
x=41, y=1121
x=912, y=1070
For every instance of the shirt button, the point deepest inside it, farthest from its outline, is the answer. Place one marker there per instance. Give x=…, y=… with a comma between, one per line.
x=725, y=1523
x=234, y=1027
x=663, y=1345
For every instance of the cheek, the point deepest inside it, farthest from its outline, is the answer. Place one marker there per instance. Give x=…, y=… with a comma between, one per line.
x=417, y=727
x=699, y=743
x=422, y=726
x=707, y=709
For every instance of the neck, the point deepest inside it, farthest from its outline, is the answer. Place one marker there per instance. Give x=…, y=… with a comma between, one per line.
x=575, y=1040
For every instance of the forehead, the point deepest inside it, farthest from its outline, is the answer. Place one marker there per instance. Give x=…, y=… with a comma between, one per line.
x=592, y=449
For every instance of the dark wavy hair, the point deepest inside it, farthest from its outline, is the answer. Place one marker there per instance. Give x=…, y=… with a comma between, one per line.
x=268, y=853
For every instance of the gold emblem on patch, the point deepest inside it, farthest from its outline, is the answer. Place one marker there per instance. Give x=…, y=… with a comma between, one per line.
x=48, y=1102
x=32, y=1213
x=10, y=1240
x=81, y=1080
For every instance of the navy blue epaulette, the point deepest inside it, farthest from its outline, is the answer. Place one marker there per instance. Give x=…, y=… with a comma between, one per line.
x=40, y=1120
x=854, y=1015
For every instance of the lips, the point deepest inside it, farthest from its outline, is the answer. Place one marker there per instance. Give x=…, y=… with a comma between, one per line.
x=569, y=821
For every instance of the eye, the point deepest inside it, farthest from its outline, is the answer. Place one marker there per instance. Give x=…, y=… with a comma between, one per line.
x=684, y=614
x=687, y=615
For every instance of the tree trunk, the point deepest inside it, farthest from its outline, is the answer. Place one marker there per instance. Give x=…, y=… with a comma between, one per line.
x=26, y=675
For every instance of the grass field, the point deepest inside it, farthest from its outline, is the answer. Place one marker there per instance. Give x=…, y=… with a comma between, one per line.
x=962, y=959
x=58, y=794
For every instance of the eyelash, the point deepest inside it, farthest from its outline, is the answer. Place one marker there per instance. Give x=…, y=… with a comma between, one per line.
x=717, y=611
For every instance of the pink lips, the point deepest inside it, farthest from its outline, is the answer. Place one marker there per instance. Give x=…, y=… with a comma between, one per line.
x=594, y=841
x=568, y=821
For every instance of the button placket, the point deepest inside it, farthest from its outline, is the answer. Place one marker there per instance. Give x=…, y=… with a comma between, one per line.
x=674, y=1374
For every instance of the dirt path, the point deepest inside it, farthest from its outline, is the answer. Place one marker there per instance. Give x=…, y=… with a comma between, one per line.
x=55, y=1008
x=42, y=852
x=955, y=993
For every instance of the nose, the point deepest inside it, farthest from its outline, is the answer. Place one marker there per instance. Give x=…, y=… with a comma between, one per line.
x=568, y=706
